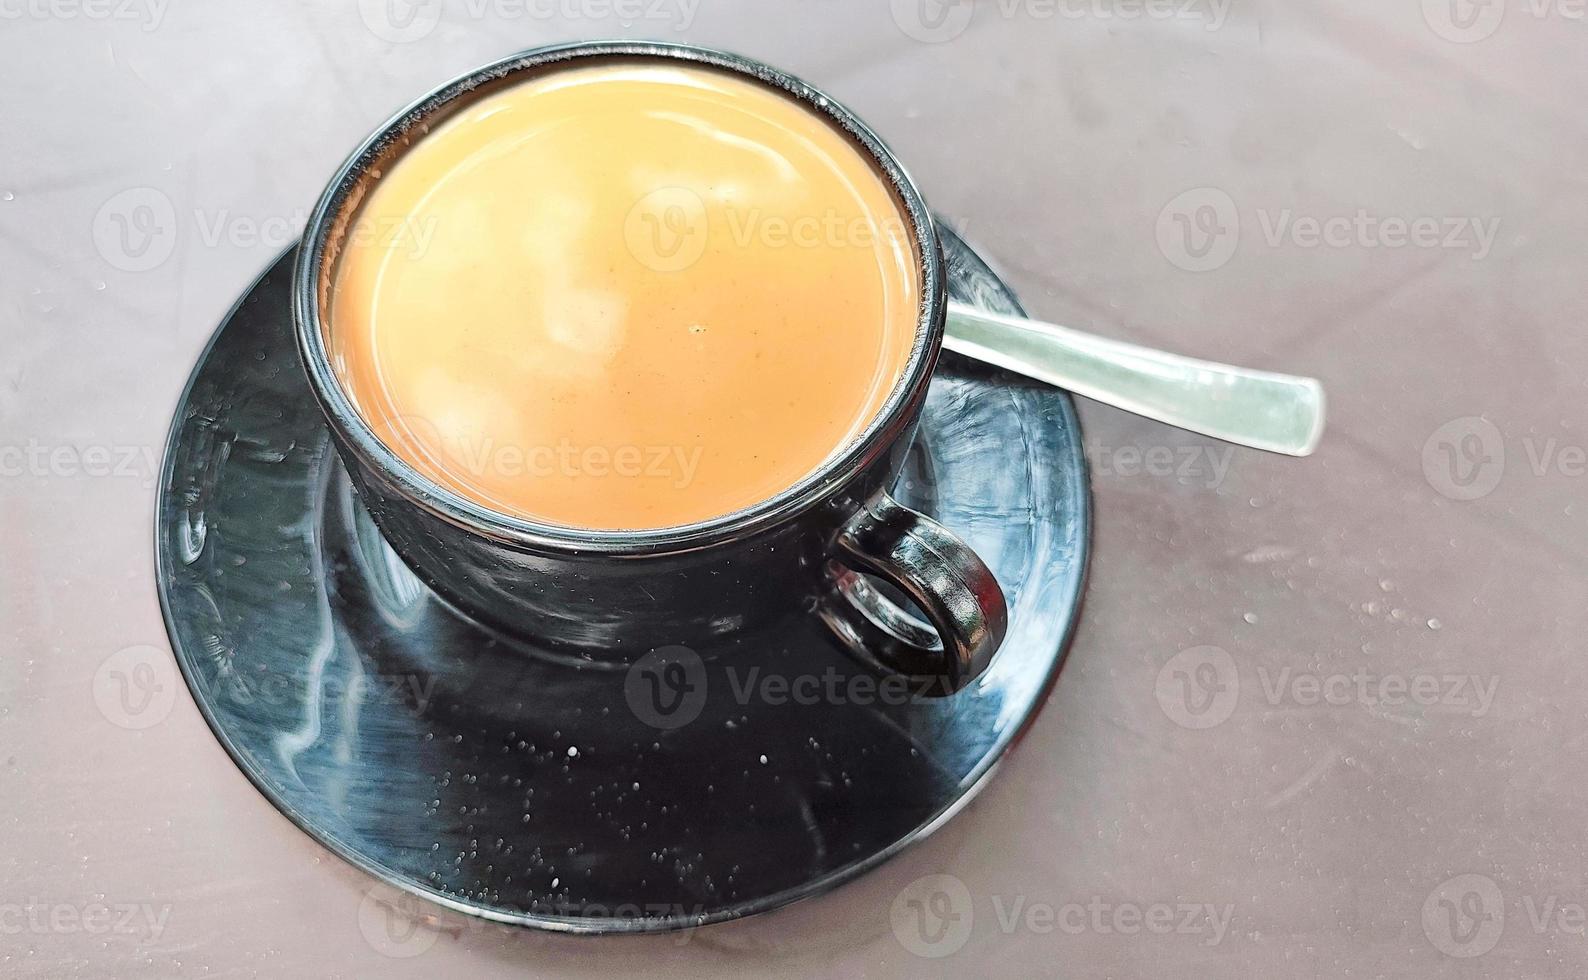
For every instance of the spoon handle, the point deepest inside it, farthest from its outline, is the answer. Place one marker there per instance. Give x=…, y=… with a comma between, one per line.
x=1281, y=413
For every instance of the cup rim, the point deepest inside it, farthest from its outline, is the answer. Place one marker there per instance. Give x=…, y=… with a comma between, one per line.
x=811, y=491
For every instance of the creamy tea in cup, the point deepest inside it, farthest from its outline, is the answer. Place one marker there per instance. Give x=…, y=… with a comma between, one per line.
x=623, y=296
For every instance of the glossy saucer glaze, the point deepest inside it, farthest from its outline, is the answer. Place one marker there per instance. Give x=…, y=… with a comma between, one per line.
x=532, y=787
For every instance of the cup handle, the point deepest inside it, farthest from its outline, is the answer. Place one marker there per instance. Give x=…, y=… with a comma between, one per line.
x=934, y=568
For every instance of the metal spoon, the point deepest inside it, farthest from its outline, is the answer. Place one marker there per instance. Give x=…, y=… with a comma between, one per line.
x=1280, y=413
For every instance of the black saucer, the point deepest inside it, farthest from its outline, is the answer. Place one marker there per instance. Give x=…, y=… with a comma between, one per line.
x=524, y=787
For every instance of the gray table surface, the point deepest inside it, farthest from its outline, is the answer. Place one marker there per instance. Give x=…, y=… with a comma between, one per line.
x=1322, y=718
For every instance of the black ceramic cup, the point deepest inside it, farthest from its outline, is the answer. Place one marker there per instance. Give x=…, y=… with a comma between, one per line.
x=617, y=594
